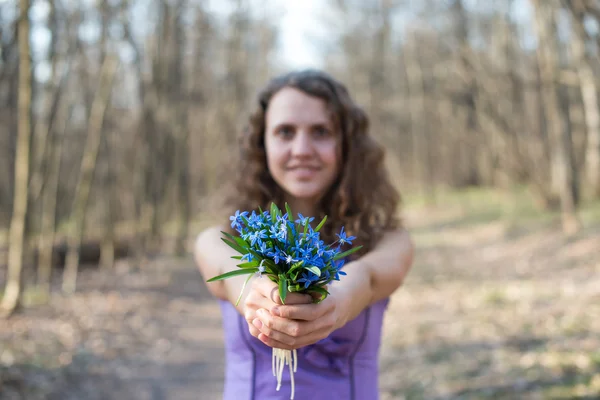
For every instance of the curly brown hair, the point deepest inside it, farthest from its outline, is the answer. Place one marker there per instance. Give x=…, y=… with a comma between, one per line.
x=362, y=198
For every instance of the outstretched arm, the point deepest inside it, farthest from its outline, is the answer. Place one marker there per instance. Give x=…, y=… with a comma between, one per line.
x=213, y=257
x=376, y=275
x=373, y=277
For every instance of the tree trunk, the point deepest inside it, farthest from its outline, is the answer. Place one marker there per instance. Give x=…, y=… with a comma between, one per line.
x=589, y=95
x=17, y=223
x=107, y=246
x=469, y=140
x=420, y=137
x=88, y=166
x=558, y=124
x=49, y=196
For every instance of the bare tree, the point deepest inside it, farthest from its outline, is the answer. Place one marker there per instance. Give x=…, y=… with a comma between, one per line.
x=421, y=140
x=589, y=94
x=17, y=224
x=563, y=173
x=88, y=165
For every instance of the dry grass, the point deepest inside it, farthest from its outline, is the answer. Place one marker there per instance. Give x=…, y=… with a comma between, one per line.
x=499, y=305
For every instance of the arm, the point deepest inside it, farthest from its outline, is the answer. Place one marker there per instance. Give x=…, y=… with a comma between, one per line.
x=213, y=257
x=373, y=277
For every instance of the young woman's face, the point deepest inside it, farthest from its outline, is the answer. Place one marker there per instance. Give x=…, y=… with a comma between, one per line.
x=302, y=144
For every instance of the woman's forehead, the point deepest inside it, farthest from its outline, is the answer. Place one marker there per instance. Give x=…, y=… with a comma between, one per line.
x=291, y=105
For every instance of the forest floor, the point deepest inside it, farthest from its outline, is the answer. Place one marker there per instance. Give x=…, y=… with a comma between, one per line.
x=498, y=305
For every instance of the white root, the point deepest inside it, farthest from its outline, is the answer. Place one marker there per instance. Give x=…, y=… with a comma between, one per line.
x=280, y=358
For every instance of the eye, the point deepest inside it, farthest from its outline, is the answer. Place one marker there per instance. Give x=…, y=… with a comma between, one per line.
x=321, y=131
x=285, y=131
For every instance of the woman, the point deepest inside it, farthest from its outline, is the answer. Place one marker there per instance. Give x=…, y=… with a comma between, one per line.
x=308, y=145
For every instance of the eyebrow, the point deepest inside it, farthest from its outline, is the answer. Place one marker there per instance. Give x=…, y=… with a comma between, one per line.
x=326, y=124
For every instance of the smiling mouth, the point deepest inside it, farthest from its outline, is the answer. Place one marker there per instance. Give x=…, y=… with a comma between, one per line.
x=304, y=172
x=303, y=168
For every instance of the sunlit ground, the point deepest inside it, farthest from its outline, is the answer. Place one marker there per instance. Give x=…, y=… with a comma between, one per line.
x=499, y=305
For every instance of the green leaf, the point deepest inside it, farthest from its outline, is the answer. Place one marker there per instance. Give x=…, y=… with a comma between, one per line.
x=321, y=224
x=236, y=239
x=256, y=254
x=271, y=267
x=228, y=235
x=251, y=264
x=324, y=293
x=294, y=275
x=294, y=288
x=290, y=234
x=237, y=257
x=289, y=211
x=296, y=266
x=347, y=253
x=242, y=291
x=241, y=242
x=233, y=273
x=246, y=222
x=234, y=246
x=313, y=269
x=283, y=284
x=274, y=212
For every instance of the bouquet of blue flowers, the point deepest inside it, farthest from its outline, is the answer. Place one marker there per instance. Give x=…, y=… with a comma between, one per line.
x=291, y=254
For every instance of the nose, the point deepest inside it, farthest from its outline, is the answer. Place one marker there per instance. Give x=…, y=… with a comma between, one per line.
x=302, y=145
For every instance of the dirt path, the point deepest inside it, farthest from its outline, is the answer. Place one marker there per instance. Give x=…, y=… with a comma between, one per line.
x=150, y=335
x=489, y=311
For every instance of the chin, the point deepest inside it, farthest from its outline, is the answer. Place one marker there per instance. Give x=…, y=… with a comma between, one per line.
x=304, y=192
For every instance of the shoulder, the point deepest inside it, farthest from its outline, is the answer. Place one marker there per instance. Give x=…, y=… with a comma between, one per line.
x=209, y=255
x=209, y=249
x=395, y=243
x=209, y=237
x=395, y=237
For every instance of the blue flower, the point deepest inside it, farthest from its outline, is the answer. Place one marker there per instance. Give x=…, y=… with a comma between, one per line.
x=283, y=243
x=288, y=258
x=254, y=220
x=337, y=275
x=307, y=279
x=343, y=239
x=236, y=219
x=263, y=248
x=256, y=236
x=275, y=255
x=302, y=220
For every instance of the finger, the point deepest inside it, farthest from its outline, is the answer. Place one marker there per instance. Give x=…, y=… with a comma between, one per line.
x=305, y=312
x=275, y=335
x=280, y=329
x=254, y=331
x=270, y=290
x=255, y=303
x=274, y=343
x=292, y=332
x=282, y=341
x=290, y=298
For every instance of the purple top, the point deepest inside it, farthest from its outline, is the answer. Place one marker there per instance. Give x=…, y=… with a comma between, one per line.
x=342, y=366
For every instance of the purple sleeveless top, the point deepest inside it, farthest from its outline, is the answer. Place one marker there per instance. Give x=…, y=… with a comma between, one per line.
x=344, y=365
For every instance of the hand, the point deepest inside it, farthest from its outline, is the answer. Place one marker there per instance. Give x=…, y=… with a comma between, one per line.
x=264, y=297
x=292, y=326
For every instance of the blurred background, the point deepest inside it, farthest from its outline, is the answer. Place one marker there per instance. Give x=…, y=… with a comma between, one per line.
x=117, y=135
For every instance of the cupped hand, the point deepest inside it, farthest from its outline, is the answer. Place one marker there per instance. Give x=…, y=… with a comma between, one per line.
x=263, y=297
x=298, y=323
